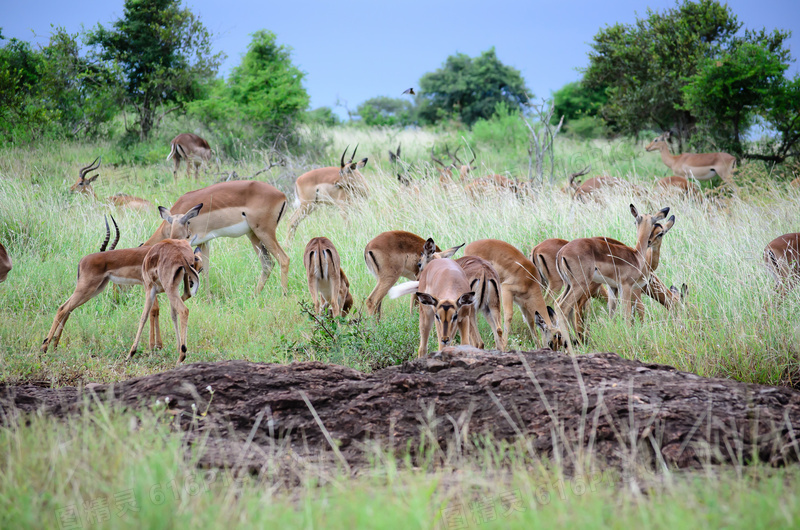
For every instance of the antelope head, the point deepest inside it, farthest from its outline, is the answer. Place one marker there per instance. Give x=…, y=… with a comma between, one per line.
x=659, y=141
x=463, y=169
x=447, y=313
x=572, y=182
x=550, y=332
x=84, y=185
x=178, y=225
x=429, y=253
x=348, y=171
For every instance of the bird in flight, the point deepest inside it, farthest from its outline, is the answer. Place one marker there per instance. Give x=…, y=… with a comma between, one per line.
x=409, y=91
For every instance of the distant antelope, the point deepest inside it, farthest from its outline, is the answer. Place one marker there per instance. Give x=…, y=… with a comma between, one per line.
x=582, y=191
x=170, y=267
x=84, y=185
x=782, y=257
x=327, y=185
x=445, y=297
x=5, y=263
x=327, y=281
x=190, y=148
x=702, y=166
x=675, y=183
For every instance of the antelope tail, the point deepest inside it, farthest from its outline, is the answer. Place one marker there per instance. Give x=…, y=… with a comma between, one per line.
x=403, y=289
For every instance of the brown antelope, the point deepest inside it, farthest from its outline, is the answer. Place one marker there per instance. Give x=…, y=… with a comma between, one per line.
x=327, y=281
x=170, y=267
x=583, y=262
x=446, y=171
x=491, y=184
x=678, y=184
x=190, y=148
x=95, y=271
x=519, y=285
x=485, y=282
x=5, y=263
x=444, y=296
x=782, y=257
x=327, y=185
x=120, y=200
x=230, y=209
x=593, y=186
x=702, y=166
x=389, y=256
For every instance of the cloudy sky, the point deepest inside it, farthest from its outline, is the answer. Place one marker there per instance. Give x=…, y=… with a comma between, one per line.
x=353, y=50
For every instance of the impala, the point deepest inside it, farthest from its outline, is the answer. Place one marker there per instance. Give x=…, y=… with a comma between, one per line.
x=170, y=267
x=446, y=171
x=327, y=185
x=327, y=281
x=389, y=256
x=491, y=184
x=230, y=209
x=680, y=184
x=702, y=166
x=5, y=263
x=95, y=271
x=583, y=262
x=518, y=285
x=84, y=185
x=782, y=257
x=190, y=148
x=581, y=191
x=444, y=296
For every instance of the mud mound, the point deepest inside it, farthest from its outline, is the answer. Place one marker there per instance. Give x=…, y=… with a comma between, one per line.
x=608, y=404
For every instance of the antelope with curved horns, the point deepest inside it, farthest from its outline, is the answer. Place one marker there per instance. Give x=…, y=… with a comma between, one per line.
x=583, y=262
x=95, y=271
x=170, y=267
x=519, y=284
x=444, y=296
x=191, y=148
x=84, y=185
x=782, y=258
x=5, y=263
x=327, y=185
x=230, y=209
x=327, y=281
x=388, y=256
x=581, y=191
x=702, y=166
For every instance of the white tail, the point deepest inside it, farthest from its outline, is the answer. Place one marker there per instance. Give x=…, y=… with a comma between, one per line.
x=403, y=289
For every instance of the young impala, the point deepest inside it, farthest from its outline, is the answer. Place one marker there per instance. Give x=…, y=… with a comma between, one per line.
x=327, y=281
x=190, y=148
x=702, y=166
x=170, y=267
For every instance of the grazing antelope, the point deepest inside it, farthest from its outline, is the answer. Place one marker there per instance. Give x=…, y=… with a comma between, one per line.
x=5, y=263
x=519, y=284
x=782, y=257
x=170, y=267
x=120, y=200
x=702, y=166
x=95, y=271
x=389, y=256
x=679, y=184
x=444, y=297
x=327, y=185
x=446, y=171
x=326, y=278
x=594, y=185
x=230, y=209
x=192, y=149
x=583, y=262
x=491, y=184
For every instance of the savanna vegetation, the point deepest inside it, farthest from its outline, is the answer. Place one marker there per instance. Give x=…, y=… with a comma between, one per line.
x=83, y=96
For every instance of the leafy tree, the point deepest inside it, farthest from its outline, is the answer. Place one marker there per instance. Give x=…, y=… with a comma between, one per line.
x=386, y=111
x=576, y=100
x=164, y=53
x=470, y=88
x=265, y=92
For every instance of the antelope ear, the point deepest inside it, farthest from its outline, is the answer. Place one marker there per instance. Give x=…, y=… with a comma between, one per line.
x=191, y=214
x=91, y=179
x=466, y=299
x=362, y=163
x=634, y=211
x=165, y=214
x=450, y=252
x=662, y=213
x=425, y=298
x=684, y=291
x=552, y=314
x=429, y=248
x=539, y=321
x=667, y=225
x=197, y=251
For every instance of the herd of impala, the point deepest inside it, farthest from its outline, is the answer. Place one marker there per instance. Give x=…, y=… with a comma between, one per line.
x=491, y=277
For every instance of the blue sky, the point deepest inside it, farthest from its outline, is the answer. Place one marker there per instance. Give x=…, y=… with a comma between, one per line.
x=354, y=50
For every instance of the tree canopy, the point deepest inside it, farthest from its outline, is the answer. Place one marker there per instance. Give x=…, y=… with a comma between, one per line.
x=385, y=111
x=470, y=89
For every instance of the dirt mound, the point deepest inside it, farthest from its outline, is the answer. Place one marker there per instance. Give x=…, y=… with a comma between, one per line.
x=599, y=400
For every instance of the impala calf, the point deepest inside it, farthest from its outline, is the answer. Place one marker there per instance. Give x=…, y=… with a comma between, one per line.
x=702, y=166
x=5, y=263
x=170, y=267
x=190, y=148
x=327, y=185
x=782, y=257
x=444, y=297
x=95, y=271
x=519, y=284
x=230, y=209
x=327, y=281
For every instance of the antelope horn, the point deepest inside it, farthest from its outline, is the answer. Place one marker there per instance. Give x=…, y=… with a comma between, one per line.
x=354, y=155
x=573, y=176
x=455, y=156
x=108, y=236
x=474, y=156
x=90, y=167
x=436, y=159
x=341, y=164
x=116, y=239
